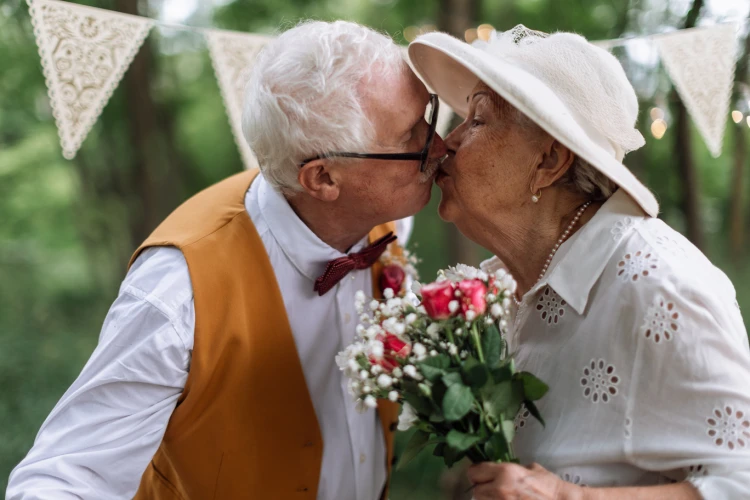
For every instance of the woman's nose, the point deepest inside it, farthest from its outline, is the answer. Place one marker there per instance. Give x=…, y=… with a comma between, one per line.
x=453, y=140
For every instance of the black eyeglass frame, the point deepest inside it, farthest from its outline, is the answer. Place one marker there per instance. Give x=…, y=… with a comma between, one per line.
x=422, y=156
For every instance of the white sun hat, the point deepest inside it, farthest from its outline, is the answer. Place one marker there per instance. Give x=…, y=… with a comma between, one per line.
x=575, y=91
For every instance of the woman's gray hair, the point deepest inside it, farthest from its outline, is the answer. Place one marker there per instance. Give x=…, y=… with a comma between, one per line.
x=304, y=96
x=581, y=177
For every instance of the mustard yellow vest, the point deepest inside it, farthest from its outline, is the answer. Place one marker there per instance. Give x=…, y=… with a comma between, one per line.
x=244, y=426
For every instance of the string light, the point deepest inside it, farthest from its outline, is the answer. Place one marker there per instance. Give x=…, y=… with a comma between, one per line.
x=658, y=128
x=410, y=33
x=737, y=116
x=748, y=121
x=470, y=35
x=656, y=113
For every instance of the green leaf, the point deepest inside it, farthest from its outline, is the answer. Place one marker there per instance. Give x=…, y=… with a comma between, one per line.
x=533, y=388
x=418, y=441
x=461, y=441
x=457, y=402
x=439, y=450
x=534, y=411
x=475, y=373
x=491, y=346
x=496, y=448
x=430, y=372
x=434, y=368
x=441, y=361
x=421, y=404
x=451, y=456
x=503, y=372
x=452, y=378
x=502, y=399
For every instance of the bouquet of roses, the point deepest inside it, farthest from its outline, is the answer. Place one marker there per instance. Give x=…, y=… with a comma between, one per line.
x=439, y=350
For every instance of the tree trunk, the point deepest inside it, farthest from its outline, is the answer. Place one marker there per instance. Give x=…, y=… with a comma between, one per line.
x=455, y=17
x=690, y=202
x=737, y=201
x=156, y=180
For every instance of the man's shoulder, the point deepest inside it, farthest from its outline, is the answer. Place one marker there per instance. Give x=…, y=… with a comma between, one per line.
x=160, y=275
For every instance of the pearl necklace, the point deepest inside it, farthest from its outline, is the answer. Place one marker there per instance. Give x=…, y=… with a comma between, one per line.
x=557, y=246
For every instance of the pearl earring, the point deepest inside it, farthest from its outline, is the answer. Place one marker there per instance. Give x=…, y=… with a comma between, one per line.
x=536, y=197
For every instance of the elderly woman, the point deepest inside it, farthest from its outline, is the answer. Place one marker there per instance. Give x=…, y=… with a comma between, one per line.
x=638, y=335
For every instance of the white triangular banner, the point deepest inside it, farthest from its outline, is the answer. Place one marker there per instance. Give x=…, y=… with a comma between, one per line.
x=701, y=64
x=233, y=55
x=84, y=51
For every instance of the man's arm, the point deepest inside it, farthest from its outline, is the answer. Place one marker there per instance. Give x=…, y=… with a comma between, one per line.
x=102, y=434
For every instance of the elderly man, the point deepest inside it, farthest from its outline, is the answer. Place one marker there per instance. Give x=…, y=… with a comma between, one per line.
x=215, y=369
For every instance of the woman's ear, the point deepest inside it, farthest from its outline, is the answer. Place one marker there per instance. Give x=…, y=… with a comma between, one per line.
x=556, y=160
x=317, y=180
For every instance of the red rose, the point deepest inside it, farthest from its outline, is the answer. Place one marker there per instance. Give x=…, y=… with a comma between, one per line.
x=392, y=277
x=472, y=296
x=436, y=297
x=396, y=347
x=393, y=349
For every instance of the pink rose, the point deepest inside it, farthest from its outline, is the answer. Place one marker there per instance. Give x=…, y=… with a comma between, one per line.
x=472, y=296
x=436, y=297
x=392, y=277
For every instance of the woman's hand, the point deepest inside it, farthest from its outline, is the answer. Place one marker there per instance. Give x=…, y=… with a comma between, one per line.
x=514, y=482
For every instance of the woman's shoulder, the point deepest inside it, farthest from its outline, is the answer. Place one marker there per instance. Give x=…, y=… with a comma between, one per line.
x=657, y=264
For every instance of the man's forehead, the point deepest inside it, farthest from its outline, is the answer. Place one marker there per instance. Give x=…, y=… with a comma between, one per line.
x=396, y=92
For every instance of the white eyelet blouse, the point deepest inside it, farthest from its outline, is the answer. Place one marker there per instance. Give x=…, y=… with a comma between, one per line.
x=642, y=343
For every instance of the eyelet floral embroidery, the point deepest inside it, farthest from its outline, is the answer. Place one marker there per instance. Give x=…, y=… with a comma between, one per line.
x=599, y=381
x=671, y=245
x=729, y=427
x=621, y=227
x=636, y=265
x=572, y=478
x=520, y=420
x=662, y=321
x=551, y=307
x=696, y=470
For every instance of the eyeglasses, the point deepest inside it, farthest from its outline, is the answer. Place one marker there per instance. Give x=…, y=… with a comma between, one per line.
x=431, y=113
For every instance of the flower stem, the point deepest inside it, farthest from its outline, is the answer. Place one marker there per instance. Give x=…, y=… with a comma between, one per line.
x=475, y=336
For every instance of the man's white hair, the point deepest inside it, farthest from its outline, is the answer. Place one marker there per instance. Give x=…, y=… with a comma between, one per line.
x=305, y=93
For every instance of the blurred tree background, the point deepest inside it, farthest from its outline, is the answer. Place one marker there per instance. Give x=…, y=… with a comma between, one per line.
x=67, y=228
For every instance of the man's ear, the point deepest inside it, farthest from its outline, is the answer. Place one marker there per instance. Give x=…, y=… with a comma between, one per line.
x=317, y=180
x=556, y=160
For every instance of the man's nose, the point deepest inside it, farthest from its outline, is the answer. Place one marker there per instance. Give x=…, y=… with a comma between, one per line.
x=438, y=148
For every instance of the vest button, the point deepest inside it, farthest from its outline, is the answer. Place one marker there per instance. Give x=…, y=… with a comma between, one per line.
x=393, y=426
x=308, y=444
x=301, y=490
x=394, y=460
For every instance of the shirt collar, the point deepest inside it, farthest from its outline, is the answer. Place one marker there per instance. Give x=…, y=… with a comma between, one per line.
x=308, y=253
x=580, y=261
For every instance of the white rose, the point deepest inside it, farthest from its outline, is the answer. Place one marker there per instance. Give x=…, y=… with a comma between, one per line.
x=371, y=402
x=407, y=418
x=393, y=396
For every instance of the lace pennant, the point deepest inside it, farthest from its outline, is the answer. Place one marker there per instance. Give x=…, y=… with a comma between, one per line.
x=84, y=51
x=701, y=64
x=232, y=55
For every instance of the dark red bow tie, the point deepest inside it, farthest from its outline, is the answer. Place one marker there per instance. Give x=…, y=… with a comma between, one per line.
x=338, y=268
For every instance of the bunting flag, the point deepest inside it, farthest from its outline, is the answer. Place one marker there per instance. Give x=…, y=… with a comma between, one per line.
x=233, y=55
x=84, y=51
x=701, y=64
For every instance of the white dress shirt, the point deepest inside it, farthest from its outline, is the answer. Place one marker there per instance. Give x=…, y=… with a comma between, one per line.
x=102, y=434
x=643, y=346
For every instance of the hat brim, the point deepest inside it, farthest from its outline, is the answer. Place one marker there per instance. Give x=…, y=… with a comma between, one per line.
x=452, y=68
